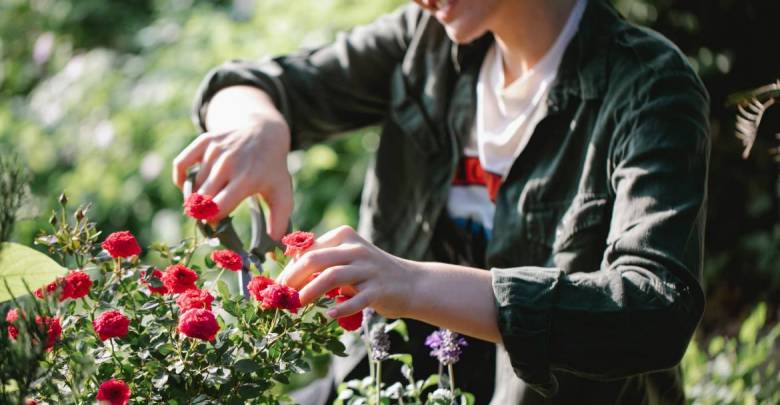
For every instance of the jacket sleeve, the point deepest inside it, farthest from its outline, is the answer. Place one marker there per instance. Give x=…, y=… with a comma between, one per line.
x=341, y=86
x=636, y=313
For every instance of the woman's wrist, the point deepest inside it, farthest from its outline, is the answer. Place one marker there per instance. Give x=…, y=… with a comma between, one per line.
x=453, y=297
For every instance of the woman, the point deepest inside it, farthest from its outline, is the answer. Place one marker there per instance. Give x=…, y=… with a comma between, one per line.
x=547, y=141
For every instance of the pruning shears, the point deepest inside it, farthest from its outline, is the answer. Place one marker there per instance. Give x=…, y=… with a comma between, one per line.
x=261, y=243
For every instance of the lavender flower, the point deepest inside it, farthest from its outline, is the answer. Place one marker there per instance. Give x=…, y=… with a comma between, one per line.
x=380, y=343
x=446, y=346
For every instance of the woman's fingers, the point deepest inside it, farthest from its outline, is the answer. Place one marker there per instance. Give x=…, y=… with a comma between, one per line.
x=228, y=198
x=280, y=205
x=352, y=305
x=299, y=272
x=329, y=279
x=188, y=157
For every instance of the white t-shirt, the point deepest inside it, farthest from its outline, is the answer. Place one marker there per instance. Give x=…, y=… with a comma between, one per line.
x=505, y=119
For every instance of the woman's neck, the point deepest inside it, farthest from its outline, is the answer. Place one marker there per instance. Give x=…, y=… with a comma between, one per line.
x=526, y=30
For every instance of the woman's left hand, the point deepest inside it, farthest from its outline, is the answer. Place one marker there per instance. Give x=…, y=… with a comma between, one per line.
x=344, y=259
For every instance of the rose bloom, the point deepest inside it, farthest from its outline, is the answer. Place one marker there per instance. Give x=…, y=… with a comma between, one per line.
x=297, y=242
x=53, y=330
x=11, y=317
x=156, y=273
x=178, y=278
x=194, y=299
x=47, y=290
x=113, y=392
x=257, y=285
x=76, y=285
x=121, y=244
x=198, y=323
x=227, y=259
x=280, y=296
x=350, y=322
x=200, y=206
x=111, y=324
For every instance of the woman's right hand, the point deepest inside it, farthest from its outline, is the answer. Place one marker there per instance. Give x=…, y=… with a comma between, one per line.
x=240, y=162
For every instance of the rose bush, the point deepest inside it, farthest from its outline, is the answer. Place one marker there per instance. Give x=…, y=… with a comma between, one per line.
x=119, y=331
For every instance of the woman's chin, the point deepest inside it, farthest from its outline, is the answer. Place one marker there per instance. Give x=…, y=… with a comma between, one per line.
x=461, y=36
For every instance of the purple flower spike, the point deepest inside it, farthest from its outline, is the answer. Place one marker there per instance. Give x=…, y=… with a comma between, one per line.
x=446, y=346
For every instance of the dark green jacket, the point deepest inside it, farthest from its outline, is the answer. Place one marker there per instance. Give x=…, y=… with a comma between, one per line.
x=596, y=252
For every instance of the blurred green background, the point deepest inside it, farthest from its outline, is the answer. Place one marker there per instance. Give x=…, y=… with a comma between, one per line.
x=95, y=97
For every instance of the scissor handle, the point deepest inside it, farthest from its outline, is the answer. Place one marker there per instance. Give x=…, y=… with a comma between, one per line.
x=228, y=237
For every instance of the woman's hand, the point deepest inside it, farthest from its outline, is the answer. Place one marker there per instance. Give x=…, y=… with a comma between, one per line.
x=453, y=297
x=245, y=153
x=373, y=277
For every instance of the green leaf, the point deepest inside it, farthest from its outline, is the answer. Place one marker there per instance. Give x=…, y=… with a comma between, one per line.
x=749, y=330
x=402, y=357
x=246, y=366
x=223, y=289
x=281, y=378
x=432, y=380
x=398, y=326
x=19, y=264
x=336, y=347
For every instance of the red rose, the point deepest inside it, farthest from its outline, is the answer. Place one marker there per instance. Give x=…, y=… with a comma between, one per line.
x=227, y=259
x=350, y=322
x=200, y=206
x=48, y=289
x=113, y=392
x=76, y=285
x=257, y=285
x=111, y=324
x=198, y=323
x=280, y=296
x=297, y=242
x=156, y=273
x=194, y=299
x=53, y=330
x=121, y=244
x=178, y=279
x=31, y=402
x=11, y=317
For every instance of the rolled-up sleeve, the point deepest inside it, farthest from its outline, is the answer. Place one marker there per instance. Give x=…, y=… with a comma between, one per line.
x=636, y=313
x=331, y=89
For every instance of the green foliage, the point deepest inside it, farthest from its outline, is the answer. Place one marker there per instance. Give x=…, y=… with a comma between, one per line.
x=736, y=371
x=19, y=265
x=255, y=348
x=13, y=189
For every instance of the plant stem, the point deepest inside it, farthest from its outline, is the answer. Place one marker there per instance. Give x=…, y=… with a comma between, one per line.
x=216, y=280
x=113, y=355
x=378, y=382
x=441, y=371
x=451, y=372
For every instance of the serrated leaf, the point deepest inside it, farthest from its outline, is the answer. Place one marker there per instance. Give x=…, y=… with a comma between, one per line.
x=20, y=264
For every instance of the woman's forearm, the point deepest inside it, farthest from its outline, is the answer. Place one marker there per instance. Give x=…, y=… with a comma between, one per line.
x=237, y=107
x=455, y=297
